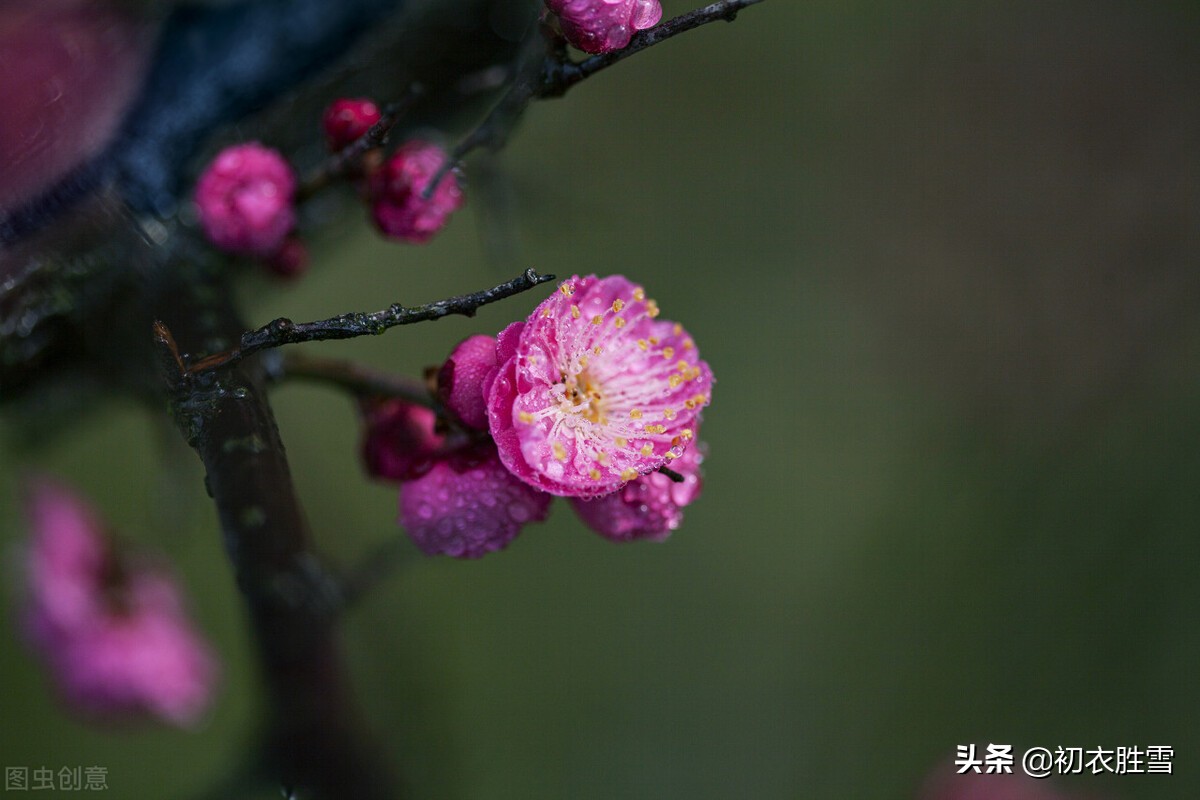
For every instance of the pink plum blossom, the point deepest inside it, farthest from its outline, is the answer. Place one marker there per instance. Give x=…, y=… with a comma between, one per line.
x=461, y=378
x=245, y=198
x=398, y=205
x=468, y=505
x=113, y=631
x=600, y=26
x=648, y=507
x=593, y=390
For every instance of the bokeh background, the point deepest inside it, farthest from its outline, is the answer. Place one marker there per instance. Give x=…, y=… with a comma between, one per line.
x=944, y=259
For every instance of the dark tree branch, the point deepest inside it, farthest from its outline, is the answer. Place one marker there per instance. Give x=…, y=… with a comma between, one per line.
x=556, y=73
x=356, y=378
x=348, y=326
x=313, y=738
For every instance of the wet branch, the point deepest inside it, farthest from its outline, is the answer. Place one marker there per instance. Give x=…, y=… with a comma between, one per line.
x=348, y=326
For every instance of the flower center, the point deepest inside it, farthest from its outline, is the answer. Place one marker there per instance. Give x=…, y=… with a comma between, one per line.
x=582, y=396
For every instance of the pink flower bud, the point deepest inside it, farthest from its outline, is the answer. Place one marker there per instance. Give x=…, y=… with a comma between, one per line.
x=468, y=505
x=399, y=442
x=290, y=261
x=347, y=119
x=601, y=26
x=244, y=199
x=649, y=507
x=460, y=380
x=593, y=390
x=398, y=206
x=112, y=631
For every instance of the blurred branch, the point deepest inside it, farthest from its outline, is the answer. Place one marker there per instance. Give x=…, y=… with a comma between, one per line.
x=357, y=378
x=555, y=73
x=348, y=326
x=314, y=738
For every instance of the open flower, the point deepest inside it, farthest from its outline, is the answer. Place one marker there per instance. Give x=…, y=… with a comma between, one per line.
x=593, y=390
x=113, y=631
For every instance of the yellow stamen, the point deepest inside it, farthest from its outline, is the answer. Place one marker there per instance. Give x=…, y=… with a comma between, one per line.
x=618, y=304
x=668, y=353
x=647, y=450
x=629, y=474
x=596, y=320
x=567, y=289
x=635, y=413
x=594, y=474
x=639, y=294
x=525, y=417
x=619, y=322
x=559, y=452
x=574, y=312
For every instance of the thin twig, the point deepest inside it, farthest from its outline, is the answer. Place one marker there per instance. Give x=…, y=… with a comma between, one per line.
x=726, y=10
x=672, y=474
x=347, y=326
x=557, y=73
x=357, y=378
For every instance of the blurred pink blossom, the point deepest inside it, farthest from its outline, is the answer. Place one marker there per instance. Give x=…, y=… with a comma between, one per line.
x=245, y=199
x=113, y=632
x=398, y=205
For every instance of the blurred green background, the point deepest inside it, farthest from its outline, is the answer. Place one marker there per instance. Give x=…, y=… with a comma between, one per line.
x=943, y=259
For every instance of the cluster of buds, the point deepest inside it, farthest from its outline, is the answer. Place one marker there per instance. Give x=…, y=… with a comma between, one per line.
x=587, y=399
x=111, y=627
x=246, y=197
